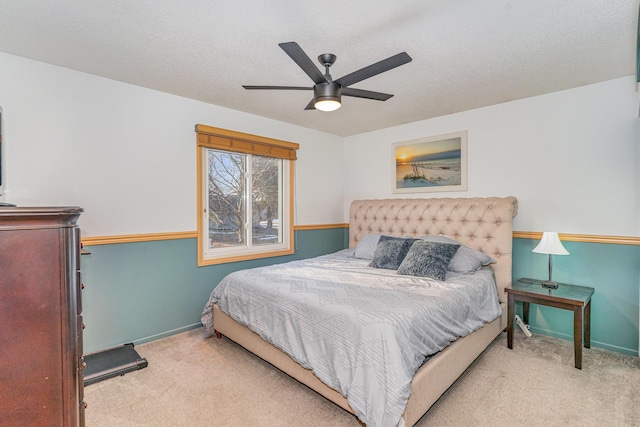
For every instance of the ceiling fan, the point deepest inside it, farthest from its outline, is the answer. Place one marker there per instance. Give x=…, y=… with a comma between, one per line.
x=326, y=91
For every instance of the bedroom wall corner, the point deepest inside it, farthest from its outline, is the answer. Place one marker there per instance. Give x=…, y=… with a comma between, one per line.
x=612, y=270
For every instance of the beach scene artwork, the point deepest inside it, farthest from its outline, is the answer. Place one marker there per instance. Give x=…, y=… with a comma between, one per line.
x=431, y=164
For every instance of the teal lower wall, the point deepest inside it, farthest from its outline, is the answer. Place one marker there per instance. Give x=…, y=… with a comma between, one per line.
x=138, y=292
x=612, y=270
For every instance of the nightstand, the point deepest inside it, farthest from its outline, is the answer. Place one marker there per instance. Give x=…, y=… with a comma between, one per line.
x=567, y=297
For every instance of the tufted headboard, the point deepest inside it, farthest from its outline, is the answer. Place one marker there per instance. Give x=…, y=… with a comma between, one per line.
x=484, y=224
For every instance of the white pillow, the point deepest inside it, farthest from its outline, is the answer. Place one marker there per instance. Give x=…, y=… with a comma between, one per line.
x=367, y=246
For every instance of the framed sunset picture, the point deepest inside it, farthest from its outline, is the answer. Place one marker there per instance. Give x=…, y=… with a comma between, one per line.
x=437, y=163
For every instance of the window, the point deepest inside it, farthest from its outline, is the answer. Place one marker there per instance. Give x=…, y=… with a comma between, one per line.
x=245, y=197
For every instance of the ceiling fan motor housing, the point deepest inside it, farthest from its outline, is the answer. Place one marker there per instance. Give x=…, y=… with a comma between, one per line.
x=328, y=91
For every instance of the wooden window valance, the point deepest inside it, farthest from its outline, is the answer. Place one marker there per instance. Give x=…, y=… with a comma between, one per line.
x=228, y=140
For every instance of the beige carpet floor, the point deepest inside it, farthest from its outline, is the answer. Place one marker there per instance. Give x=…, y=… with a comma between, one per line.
x=193, y=381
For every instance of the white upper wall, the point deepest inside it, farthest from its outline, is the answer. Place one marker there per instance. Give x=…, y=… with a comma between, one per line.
x=127, y=154
x=570, y=157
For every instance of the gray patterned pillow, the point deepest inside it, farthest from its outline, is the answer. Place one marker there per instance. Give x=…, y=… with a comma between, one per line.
x=466, y=260
x=428, y=259
x=390, y=252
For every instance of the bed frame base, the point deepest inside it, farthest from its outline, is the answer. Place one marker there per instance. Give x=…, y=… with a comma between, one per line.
x=429, y=383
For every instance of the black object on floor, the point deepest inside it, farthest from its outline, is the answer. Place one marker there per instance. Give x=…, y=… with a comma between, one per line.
x=111, y=363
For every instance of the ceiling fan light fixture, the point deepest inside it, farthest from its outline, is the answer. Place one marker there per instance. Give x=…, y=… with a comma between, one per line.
x=327, y=104
x=326, y=96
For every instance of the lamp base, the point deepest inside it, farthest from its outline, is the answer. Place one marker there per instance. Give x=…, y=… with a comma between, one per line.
x=549, y=284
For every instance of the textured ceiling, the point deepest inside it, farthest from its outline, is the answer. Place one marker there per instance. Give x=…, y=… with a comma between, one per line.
x=466, y=53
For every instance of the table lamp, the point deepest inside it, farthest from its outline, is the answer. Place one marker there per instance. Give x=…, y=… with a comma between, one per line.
x=550, y=244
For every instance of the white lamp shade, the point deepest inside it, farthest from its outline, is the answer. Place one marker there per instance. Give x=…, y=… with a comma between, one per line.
x=550, y=244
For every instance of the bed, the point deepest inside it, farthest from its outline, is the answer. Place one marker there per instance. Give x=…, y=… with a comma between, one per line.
x=478, y=224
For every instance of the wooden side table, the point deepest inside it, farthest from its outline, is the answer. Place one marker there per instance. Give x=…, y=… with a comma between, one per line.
x=567, y=297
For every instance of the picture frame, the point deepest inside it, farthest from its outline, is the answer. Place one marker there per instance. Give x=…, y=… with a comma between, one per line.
x=435, y=163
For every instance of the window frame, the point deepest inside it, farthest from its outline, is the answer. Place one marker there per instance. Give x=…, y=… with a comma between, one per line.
x=231, y=141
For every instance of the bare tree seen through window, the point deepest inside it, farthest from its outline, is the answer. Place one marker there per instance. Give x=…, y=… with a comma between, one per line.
x=227, y=185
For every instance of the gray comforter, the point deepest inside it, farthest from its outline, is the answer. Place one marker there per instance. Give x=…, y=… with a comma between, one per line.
x=363, y=331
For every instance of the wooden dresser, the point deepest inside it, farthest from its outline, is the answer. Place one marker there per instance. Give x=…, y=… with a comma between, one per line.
x=41, y=364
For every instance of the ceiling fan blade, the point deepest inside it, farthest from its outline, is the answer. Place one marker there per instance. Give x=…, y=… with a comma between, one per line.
x=360, y=93
x=374, y=69
x=250, y=87
x=297, y=54
x=311, y=105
